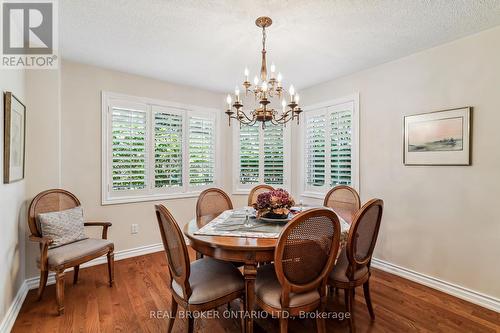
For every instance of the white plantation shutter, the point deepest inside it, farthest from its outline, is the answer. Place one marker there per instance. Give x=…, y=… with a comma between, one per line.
x=263, y=155
x=329, y=147
x=168, y=149
x=153, y=150
x=201, y=151
x=315, y=150
x=274, y=155
x=249, y=154
x=340, y=147
x=128, y=149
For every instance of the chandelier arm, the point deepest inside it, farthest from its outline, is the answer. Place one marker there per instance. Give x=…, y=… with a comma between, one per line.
x=275, y=121
x=284, y=116
x=253, y=122
x=244, y=114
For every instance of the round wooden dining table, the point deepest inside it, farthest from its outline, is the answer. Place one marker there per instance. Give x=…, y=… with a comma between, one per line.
x=249, y=251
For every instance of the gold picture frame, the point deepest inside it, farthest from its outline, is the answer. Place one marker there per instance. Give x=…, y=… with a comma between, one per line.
x=14, y=138
x=438, y=138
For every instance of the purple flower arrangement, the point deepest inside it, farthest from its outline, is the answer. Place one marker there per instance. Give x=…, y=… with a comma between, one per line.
x=274, y=204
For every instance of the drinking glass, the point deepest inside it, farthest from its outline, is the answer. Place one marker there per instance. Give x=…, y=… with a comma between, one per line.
x=248, y=224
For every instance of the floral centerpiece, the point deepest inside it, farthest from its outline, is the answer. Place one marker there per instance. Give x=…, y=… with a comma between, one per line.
x=274, y=204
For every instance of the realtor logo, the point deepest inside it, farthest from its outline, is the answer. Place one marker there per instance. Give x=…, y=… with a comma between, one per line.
x=29, y=38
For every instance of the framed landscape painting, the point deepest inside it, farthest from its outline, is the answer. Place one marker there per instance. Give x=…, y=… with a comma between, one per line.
x=14, y=128
x=438, y=138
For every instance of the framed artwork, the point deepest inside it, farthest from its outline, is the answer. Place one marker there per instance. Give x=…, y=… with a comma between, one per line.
x=438, y=138
x=14, y=136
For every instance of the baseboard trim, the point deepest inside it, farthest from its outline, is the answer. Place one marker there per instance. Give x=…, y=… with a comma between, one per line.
x=10, y=317
x=466, y=294
x=33, y=282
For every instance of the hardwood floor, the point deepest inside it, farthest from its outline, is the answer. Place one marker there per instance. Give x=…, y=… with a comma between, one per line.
x=140, y=288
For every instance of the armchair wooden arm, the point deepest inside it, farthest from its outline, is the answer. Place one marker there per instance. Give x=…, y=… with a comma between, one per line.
x=104, y=225
x=41, y=240
x=44, y=247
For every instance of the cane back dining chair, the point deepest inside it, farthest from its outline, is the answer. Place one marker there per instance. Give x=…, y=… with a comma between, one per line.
x=198, y=286
x=212, y=202
x=254, y=193
x=353, y=265
x=344, y=200
x=305, y=253
x=74, y=254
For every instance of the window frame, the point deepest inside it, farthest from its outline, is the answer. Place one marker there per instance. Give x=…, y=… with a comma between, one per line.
x=239, y=188
x=327, y=108
x=150, y=106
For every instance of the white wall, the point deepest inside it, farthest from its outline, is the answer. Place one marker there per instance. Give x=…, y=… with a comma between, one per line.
x=80, y=150
x=440, y=221
x=43, y=153
x=12, y=207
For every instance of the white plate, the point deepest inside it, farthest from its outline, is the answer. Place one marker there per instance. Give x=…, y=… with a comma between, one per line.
x=266, y=219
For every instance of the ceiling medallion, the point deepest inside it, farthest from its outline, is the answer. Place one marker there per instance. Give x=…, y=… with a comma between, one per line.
x=266, y=91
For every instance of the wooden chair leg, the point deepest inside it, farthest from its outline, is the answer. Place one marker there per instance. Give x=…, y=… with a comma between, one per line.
x=190, y=324
x=242, y=308
x=76, y=269
x=283, y=325
x=320, y=321
x=366, y=291
x=173, y=314
x=43, y=283
x=320, y=324
x=349, y=299
x=60, y=291
x=111, y=268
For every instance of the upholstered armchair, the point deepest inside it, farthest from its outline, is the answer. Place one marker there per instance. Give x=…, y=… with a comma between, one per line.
x=60, y=258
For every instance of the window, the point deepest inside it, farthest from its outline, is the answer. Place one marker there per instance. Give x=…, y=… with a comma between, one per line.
x=167, y=148
x=128, y=148
x=155, y=149
x=330, y=146
x=249, y=155
x=201, y=151
x=261, y=156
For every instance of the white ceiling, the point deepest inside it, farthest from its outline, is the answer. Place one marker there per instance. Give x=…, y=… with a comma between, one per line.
x=208, y=43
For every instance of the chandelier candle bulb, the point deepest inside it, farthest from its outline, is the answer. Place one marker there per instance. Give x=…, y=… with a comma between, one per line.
x=246, y=74
x=237, y=94
x=296, y=99
x=228, y=100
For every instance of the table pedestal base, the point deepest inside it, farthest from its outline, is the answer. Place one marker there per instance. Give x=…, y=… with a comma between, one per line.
x=250, y=273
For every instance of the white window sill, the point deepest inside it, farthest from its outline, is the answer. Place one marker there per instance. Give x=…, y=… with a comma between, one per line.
x=149, y=197
x=246, y=191
x=241, y=191
x=314, y=195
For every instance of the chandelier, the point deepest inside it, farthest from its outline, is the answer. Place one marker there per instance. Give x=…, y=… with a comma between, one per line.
x=267, y=91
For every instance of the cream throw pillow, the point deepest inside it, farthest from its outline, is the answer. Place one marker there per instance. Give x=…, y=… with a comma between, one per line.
x=63, y=227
